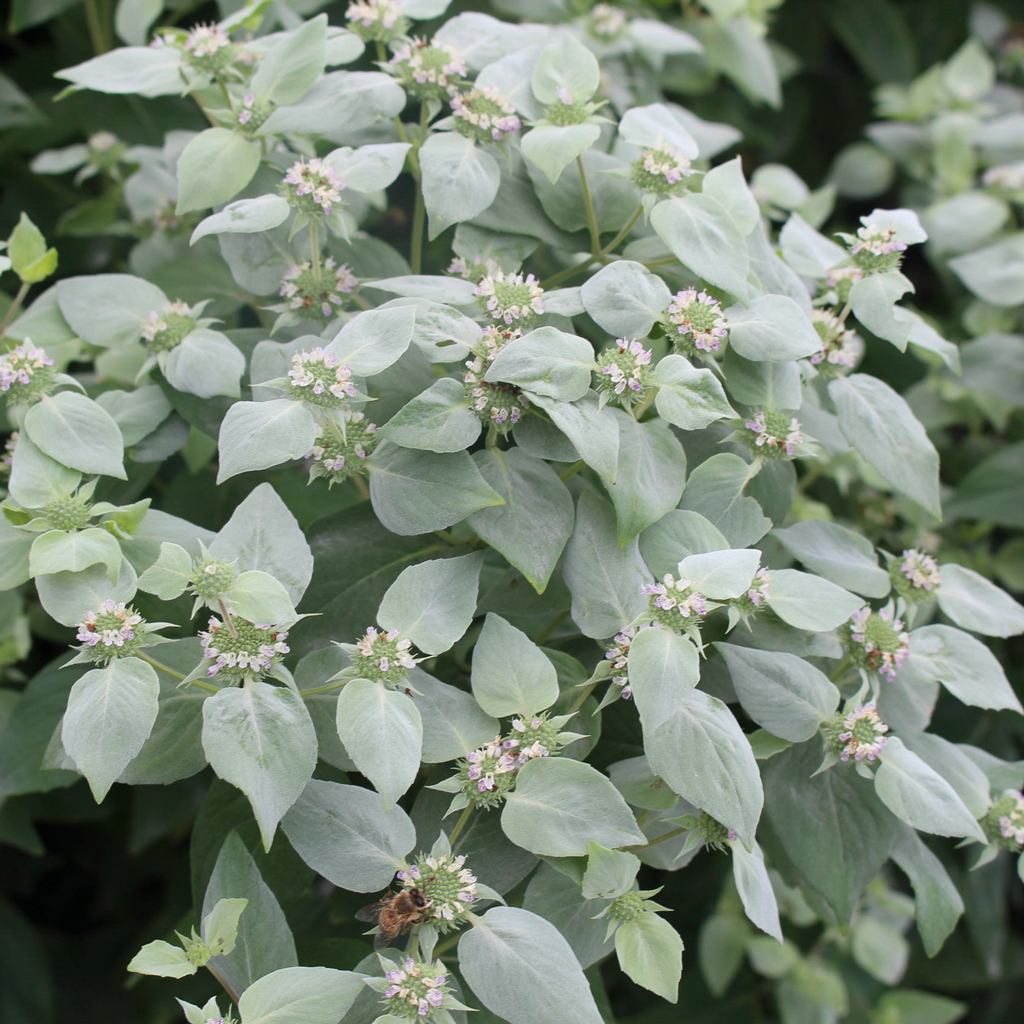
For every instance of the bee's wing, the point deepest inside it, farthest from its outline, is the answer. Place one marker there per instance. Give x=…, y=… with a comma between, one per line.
x=371, y=913
x=382, y=939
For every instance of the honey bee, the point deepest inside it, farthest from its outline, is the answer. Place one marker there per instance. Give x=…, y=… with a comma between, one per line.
x=394, y=915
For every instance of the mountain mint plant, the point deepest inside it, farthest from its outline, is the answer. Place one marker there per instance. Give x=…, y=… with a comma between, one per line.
x=450, y=444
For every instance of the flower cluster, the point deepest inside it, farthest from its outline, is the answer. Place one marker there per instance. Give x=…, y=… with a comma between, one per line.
x=428, y=70
x=494, y=402
x=102, y=141
x=660, y=170
x=697, y=322
x=315, y=296
x=335, y=460
x=312, y=186
x=566, y=111
x=377, y=20
x=859, y=734
x=606, y=22
x=472, y=269
x=757, y=594
x=487, y=774
x=840, y=348
x=774, y=434
x=70, y=513
x=617, y=653
x=242, y=650
x=876, y=641
x=26, y=373
x=842, y=279
x=167, y=328
x=1004, y=822
x=628, y=907
x=448, y=885
x=536, y=737
x=209, y=48
x=674, y=604
x=114, y=631
x=7, y=456
x=624, y=371
x=384, y=657
x=484, y=115
x=253, y=114
x=876, y=248
x=511, y=298
x=415, y=988
x=1005, y=177
x=210, y=577
x=915, y=575
x=318, y=377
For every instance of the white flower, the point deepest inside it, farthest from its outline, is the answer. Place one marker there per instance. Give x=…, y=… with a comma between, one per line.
x=510, y=297
x=864, y=734
x=777, y=432
x=698, y=321
x=322, y=374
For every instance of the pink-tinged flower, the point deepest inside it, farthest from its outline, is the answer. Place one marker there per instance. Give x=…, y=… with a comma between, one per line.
x=698, y=322
x=386, y=657
x=113, y=625
x=485, y=115
x=876, y=641
x=606, y=21
x=336, y=458
x=864, y=733
x=776, y=433
x=314, y=179
x=488, y=773
x=449, y=886
x=430, y=70
x=878, y=241
x=243, y=650
x=384, y=14
x=319, y=374
x=624, y=371
x=674, y=604
x=511, y=298
x=840, y=347
x=25, y=373
x=206, y=40
x=1006, y=177
x=661, y=170
x=920, y=569
x=618, y=654
x=318, y=298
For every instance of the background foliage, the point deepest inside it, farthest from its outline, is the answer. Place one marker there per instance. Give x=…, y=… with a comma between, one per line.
x=84, y=885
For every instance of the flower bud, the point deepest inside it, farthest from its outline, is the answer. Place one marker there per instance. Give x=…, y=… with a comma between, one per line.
x=661, y=171
x=1004, y=822
x=167, y=328
x=487, y=774
x=859, y=733
x=336, y=460
x=318, y=378
x=415, y=989
x=915, y=575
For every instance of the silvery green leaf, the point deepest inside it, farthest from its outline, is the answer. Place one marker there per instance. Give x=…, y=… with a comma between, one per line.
x=591, y=429
x=883, y=429
x=975, y=603
x=369, y=168
x=964, y=222
x=676, y=535
x=57, y=551
x=873, y=299
x=604, y=579
x=721, y=575
x=76, y=432
x=769, y=385
x=970, y=72
x=339, y=105
x=772, y=328
x=137, y=413
x=702, y=753
x=206, y=364
x=553, y=148
x=67, y=596
x=533, y=526
x=14, y=551
x=995, y=273
x=780, y=186
x=687, y=397
x=663, y=668
x=546, y=362
x=715, y=490
x=938, y=905
x=625, y=298
x=287, y=71
x=110, y=713
x=612, y=195
x=739, y=51
x=609, y=873
x=300, y=995
x=565, y=65
x=512, y=76
x=917, y=794
x=634, y=779
x=383, y=733
x=755, y=889
x=727, y=184
x=656, y=125
x=522, y=969
x=215, y=166
x=371, y=341
x=650, y=951
x=220, y=926
x=108, y=310
x=781, y=692
x=955, y=766
x=555, y=896
x=258, y=435
x=342, y=46
x=416, y=492
x=245, y=215
x=432, y=603
x=965, y=666
x=723, y=940
x=439, y=419
x=903, y=222
x=837, y=554
x=142, y=70
x=424, y=9
x=650, y=476
x=810, y=602
x=702, y=235
x=451, y=290
x=511, y=675
x=453, y=722
x=807, y=251
x=264, y=941
x=560, y=806
x=345, y=834
x=460, y=179
x=923, y=335
x=36, y=479
x=260, y=738
x=162, y=959
x=258, y=597
x=168, y=576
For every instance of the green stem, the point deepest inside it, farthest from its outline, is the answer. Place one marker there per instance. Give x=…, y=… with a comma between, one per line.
x=447, y=537
x=845, y=313
x=584, y=694
x=659, y=839
x=413, y=948
x=443, y=947
x=326, y=688
x=224, y=985
x=161, y=667
x=840, y=670
x=595, y=234
x=661, y=263
x=549, y=629
x=227, y=618
x=96, y=34
x=314, y=247
x=625, y=231
x=461, y=824
x=562, y=275
x=419, y=213
x=382, y=52
x=572, y=470
x=492, y=436
x=361, y=486
x=13, y=308
x=642, y=406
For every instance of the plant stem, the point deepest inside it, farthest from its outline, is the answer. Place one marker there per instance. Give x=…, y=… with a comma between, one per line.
x=315, y=691
x=546, y=632
x=13, y=308
x=595, y=234
x=845, y=313
x=314, y=247
x=161, y=667
x=659, y=839
x=492, y=437
x=622, y=234
x=584, y=694
x=224, y=985
x=840, y=670
x=572, y=470
x=382, y=53
x=96, y=33
x=569, y=271
x=562, y=275
x=461, y=824
x=361, y=486
x=227, y=618
x=419, y=210
x=413, y=948
x=641, y=407
x=446, y=945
